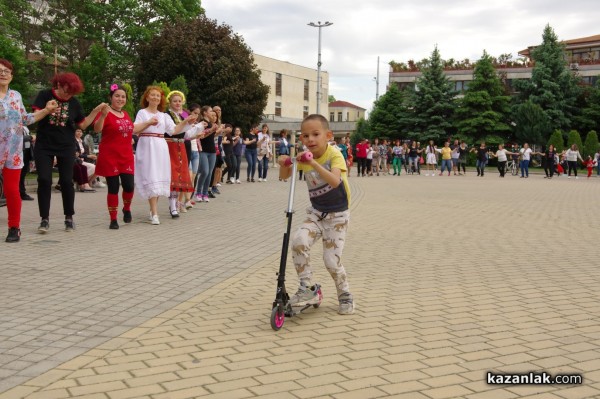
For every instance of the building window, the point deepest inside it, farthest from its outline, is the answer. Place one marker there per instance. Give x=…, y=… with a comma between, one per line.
x=305, y=90
x=347, y=116
x=332, y=117
x=305, y=111
x=339, y=117
x=278, y=84
x=278, y=109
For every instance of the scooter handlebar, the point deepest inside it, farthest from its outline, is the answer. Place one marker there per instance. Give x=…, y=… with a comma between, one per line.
x=306, y=157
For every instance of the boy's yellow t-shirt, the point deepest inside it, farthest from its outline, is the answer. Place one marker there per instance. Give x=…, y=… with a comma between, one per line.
x=323, y=197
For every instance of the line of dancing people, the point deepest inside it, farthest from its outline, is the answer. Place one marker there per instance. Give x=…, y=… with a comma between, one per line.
x=177, y=152
x=383, y=157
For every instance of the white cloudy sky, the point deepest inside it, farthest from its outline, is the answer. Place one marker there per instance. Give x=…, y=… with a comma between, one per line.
x=396, y=30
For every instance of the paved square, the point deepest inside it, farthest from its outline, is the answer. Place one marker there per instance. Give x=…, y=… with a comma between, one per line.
x=452, y=276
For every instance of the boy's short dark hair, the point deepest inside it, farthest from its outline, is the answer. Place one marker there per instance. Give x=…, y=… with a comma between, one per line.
x=317, y=117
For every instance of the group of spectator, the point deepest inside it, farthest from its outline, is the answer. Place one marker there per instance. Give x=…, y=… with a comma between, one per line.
x=383, y=156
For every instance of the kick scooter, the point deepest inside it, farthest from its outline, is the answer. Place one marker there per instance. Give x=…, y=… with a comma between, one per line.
x=281, y=304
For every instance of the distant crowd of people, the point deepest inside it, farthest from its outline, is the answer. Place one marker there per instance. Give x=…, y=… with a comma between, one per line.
x=381, y=156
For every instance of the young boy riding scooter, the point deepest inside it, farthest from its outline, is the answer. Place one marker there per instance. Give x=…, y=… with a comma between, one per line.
x=328, y=215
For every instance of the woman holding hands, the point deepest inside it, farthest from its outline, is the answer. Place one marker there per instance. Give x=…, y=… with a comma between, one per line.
x=13, y=118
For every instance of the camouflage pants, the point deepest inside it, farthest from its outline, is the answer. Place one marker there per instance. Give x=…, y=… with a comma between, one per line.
x=332, y=229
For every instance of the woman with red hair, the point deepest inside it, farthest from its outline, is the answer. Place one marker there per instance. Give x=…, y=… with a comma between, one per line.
x=56, y=138
x=152, y=160
x=13, y=119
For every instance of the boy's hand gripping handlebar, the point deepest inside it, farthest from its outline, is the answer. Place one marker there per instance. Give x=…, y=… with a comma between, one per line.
x=306, y=157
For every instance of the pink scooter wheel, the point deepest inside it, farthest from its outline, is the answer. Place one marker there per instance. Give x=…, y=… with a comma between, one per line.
x=277, y=318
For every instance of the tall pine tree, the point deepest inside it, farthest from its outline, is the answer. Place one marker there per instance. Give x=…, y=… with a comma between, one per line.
x=388, y=114
x=433, y=102
x=553, y=85
x=484, y=110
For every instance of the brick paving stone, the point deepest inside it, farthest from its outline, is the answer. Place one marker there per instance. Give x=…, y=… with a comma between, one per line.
x=167, y=323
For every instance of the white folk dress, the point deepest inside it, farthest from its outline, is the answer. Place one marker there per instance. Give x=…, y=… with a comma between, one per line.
x=152, y=161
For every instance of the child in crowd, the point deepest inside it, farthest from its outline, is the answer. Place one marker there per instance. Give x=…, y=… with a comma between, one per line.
x=589, y=164
x=328, y=215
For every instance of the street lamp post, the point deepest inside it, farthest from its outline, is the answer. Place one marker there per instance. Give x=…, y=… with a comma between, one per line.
x=319, y=25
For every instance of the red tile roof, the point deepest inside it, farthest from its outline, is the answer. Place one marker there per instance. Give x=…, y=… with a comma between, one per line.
x=344, y=104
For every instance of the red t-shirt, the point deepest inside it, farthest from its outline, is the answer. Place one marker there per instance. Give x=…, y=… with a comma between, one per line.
x=361, y=150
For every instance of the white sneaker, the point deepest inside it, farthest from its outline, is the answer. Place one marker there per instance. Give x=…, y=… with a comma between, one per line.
x=576, y=177
x=238, y=181
x=264, y=179
x=260, y=179
x=232, y=180
x=189, y=205
x=99, y=184
x=155, y=220
x=218, y=184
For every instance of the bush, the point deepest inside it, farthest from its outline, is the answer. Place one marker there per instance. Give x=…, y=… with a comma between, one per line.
x=557, y=140
x=591, y=144
x=575, y=138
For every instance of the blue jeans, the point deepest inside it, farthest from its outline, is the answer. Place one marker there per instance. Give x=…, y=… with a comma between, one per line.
x=205, y=167
x=252, y=159
x=194, y=159
x=524, y=164
x=446, y=163
x=263, y=166
x=480, y=167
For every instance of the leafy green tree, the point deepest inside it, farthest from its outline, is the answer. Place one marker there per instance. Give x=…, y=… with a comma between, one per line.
x=179, y=83
x=552, y=86
x=218, y=67
x=531, y=123
x=433, y=104
x=484, y=109
x=95, y=75
x=591, y=144
x=590, y=113
x=131, y=104
x=575, y=138
x=362, y=131
x=15, y=55
x=556, y=139
x=72, y=27
x=387, y=115
x=331, y=98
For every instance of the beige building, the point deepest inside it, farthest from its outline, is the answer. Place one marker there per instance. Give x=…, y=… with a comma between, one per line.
x=293, y=89
x=582, y=55
x=343, y=111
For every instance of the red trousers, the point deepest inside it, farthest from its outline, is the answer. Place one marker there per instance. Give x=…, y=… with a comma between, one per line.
x=13, y=197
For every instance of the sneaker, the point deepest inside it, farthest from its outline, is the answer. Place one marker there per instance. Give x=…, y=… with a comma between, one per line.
x=69, y=226
x=26, y=197
x=232, y=180
x=218, y=184
x=198, y=198
x=576, y=177
x=174, y=213
x=205, y=198
x=252, y=180
x=248, y=180
x=346, y=303
x=210, y=195
x=155, y=220
x=14, y=234
x=304, y=296
x=126, y=216
x=114, y=225
x=265, y=179
x=98, y=183
x=44, y=226
x=260, y=179
x=229, y=182
x=215, y=190
x=189, y=205
x=238, y=181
